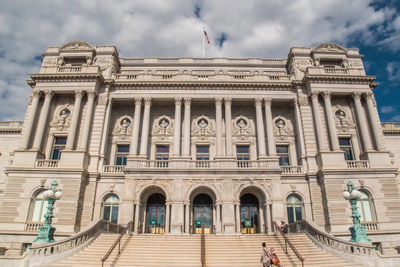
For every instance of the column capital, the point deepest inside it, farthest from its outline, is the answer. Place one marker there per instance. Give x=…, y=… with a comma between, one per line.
x=218, y=101
x=356, y=95
x=268, y=101
x=302, y=100
x=258, y=101
x=178, y=100
x=138, y=101
x=218, y=202
x=314, y=95
x=369, y=96
x=147, y=101
x=228, y=100
x=36, y=93
x=187, y=100
x=48, y=93
x=326, y=95
x=78, y=93
x=91, y=93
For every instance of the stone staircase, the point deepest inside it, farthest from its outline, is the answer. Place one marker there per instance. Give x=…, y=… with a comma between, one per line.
x=187, y=251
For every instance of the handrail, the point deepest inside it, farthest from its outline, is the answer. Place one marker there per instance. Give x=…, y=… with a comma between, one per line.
x=277, y=228
x=117, y=241
x=331, y=241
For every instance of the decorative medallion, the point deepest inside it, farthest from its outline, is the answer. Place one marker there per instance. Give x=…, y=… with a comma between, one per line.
x=123, y=127
x=163, y=126
x=62, y=117
x=202, y=126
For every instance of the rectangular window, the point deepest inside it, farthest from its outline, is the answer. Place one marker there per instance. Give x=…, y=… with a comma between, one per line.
x=202, y=153
x=243, y=156
x=58, y=146
x=162, y=156
x=283, y=154
x=346, y=147
x=122, y=154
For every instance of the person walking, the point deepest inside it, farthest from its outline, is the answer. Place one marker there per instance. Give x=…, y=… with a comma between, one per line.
x=265, y=256
x=274, y=258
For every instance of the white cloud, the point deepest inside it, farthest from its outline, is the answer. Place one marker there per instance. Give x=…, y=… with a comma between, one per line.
x=395, y=118
x=387, y=109
x=254, y=28
x=393, y=70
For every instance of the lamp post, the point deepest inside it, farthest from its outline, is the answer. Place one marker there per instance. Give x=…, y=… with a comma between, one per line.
x=358, y=231
x=46, y=231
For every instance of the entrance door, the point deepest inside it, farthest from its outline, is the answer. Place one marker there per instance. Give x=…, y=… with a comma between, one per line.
x=203, y=214
x=155, y=221
x=249, y=214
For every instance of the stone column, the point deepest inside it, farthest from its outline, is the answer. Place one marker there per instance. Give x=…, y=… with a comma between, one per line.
x=260, y=129
x=318, y=124
x=331, y=122
x=177, y=129
x=44, y=113
x=269, y=127
x=88, y=119
x=167, y=216
x=237, y=223
x=145, y=127
x=187, y=217
x=362, y=121
x=218, y=217
x=268, y=217
x=299, y=128
x=135, y=127
x=228, y=126
x=218, y=121
x=31, y=119
x=262, y=220
x=137, y=214
x=104, y=137
x=186, y=134
x=369, y=98
x=74, y=120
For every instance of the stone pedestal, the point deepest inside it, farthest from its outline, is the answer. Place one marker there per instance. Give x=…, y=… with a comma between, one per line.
x=74, y=159
x=331, y=160
x=26, y=158
x=378, y=159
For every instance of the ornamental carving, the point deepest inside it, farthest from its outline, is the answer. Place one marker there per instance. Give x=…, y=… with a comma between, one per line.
x=302, y=65
x=62, y=117
x=49, y=62
x=262, y=184
x=103, y=63
x=123, y=127
x=303, y=100
x=214, y=184
x=282, y=127
x=242, y=126
x=330, y=48
x=142, y=185
x=355, y=64
x=343, y=121
x=77, y=45
x=163, y=125
x=202, y=126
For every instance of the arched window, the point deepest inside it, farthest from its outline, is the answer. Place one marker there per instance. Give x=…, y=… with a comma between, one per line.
x=294, y=208
x=110, y=208
x=366, y=207
x=38, y=207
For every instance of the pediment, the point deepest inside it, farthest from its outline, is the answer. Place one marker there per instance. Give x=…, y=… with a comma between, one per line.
x=329, y=48
x=76, y=45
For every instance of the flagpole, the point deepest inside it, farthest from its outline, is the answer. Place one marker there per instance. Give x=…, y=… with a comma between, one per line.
x=202, y=35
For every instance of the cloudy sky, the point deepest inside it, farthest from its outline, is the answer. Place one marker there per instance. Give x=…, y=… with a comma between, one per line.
x=173, y=28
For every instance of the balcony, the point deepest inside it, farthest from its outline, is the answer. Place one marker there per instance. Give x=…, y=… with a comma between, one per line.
x=291, y=169
x=69, y=69
x=32, y=226
x=47, y=163
x=113, y=168
x=357, y=164
x=335, y=71
x=371, y=226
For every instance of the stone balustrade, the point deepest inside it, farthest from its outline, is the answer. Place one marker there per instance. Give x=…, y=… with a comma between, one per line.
x=197, y=61
x=204, y=164
x=113, y=168
x=326, y=240
x=69, y=69
x=47, y=163
x=32, y=226
x=334, y=71
x=40, y=253
x=357, y=164
x=371, y=226
x=291, y=169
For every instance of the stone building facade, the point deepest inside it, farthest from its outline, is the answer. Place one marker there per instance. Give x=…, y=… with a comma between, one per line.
x=228, y=145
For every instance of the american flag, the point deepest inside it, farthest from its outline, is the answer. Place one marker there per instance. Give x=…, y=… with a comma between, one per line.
x=206, y=36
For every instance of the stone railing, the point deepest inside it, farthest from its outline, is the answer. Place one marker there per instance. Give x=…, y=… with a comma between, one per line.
x=69, y=69
x=38, y=254
x=113, y=168
x=334, y=71
x=47, y=163
x=371, y=226
x=204, y=164
x=326, y=240
x=32, y=226
x=357, y=164
x=291, y=169
x=11, y=124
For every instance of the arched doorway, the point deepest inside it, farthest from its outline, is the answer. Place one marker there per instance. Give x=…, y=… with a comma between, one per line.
x=203, y=214
x=249, y=217
x=155, y=211
x=294, y=207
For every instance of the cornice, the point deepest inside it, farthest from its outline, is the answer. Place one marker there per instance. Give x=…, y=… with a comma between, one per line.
x=339, y=79
x=66, y=77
